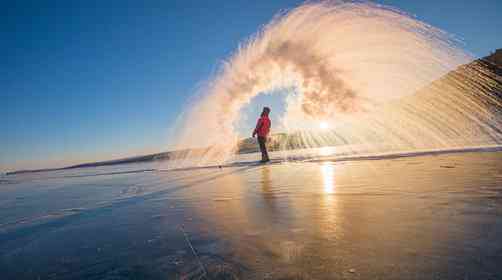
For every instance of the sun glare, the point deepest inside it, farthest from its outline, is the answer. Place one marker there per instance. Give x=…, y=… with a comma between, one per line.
x=323, y=125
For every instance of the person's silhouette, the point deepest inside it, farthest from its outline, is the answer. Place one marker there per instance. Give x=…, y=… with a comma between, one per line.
x=262, y=129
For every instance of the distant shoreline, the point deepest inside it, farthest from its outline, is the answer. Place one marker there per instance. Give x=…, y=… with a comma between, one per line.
x=136, y=159
x=342, y=158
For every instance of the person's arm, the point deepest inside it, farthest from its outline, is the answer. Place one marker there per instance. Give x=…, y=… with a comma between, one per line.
x=258, y=126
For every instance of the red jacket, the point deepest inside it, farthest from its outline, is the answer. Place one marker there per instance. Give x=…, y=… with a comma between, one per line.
x=263, y=126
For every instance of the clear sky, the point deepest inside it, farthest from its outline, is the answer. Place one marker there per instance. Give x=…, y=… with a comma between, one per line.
x=94, y=80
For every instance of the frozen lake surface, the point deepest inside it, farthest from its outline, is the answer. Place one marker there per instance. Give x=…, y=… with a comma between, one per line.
x=424, y=216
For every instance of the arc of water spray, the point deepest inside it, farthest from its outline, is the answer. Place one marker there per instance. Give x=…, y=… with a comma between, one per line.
x=365, y=67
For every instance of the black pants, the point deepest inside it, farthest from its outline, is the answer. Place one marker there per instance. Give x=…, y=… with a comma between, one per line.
x=263, y=148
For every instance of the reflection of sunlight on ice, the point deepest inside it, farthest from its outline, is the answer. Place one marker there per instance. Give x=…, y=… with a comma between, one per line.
x=328, y=177
x=330, y=215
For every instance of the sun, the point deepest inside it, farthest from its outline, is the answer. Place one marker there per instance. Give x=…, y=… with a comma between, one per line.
x=323, y=125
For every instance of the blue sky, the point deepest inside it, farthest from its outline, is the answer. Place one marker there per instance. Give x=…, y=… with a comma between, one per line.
x=93, y=80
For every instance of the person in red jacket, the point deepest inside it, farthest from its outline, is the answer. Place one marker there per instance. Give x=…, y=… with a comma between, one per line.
x=262, y=129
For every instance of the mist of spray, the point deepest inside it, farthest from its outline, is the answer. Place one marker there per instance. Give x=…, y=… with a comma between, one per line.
x=364, y=68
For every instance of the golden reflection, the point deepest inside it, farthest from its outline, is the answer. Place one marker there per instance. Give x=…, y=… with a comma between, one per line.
x=328, y=173
x=328, y=203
